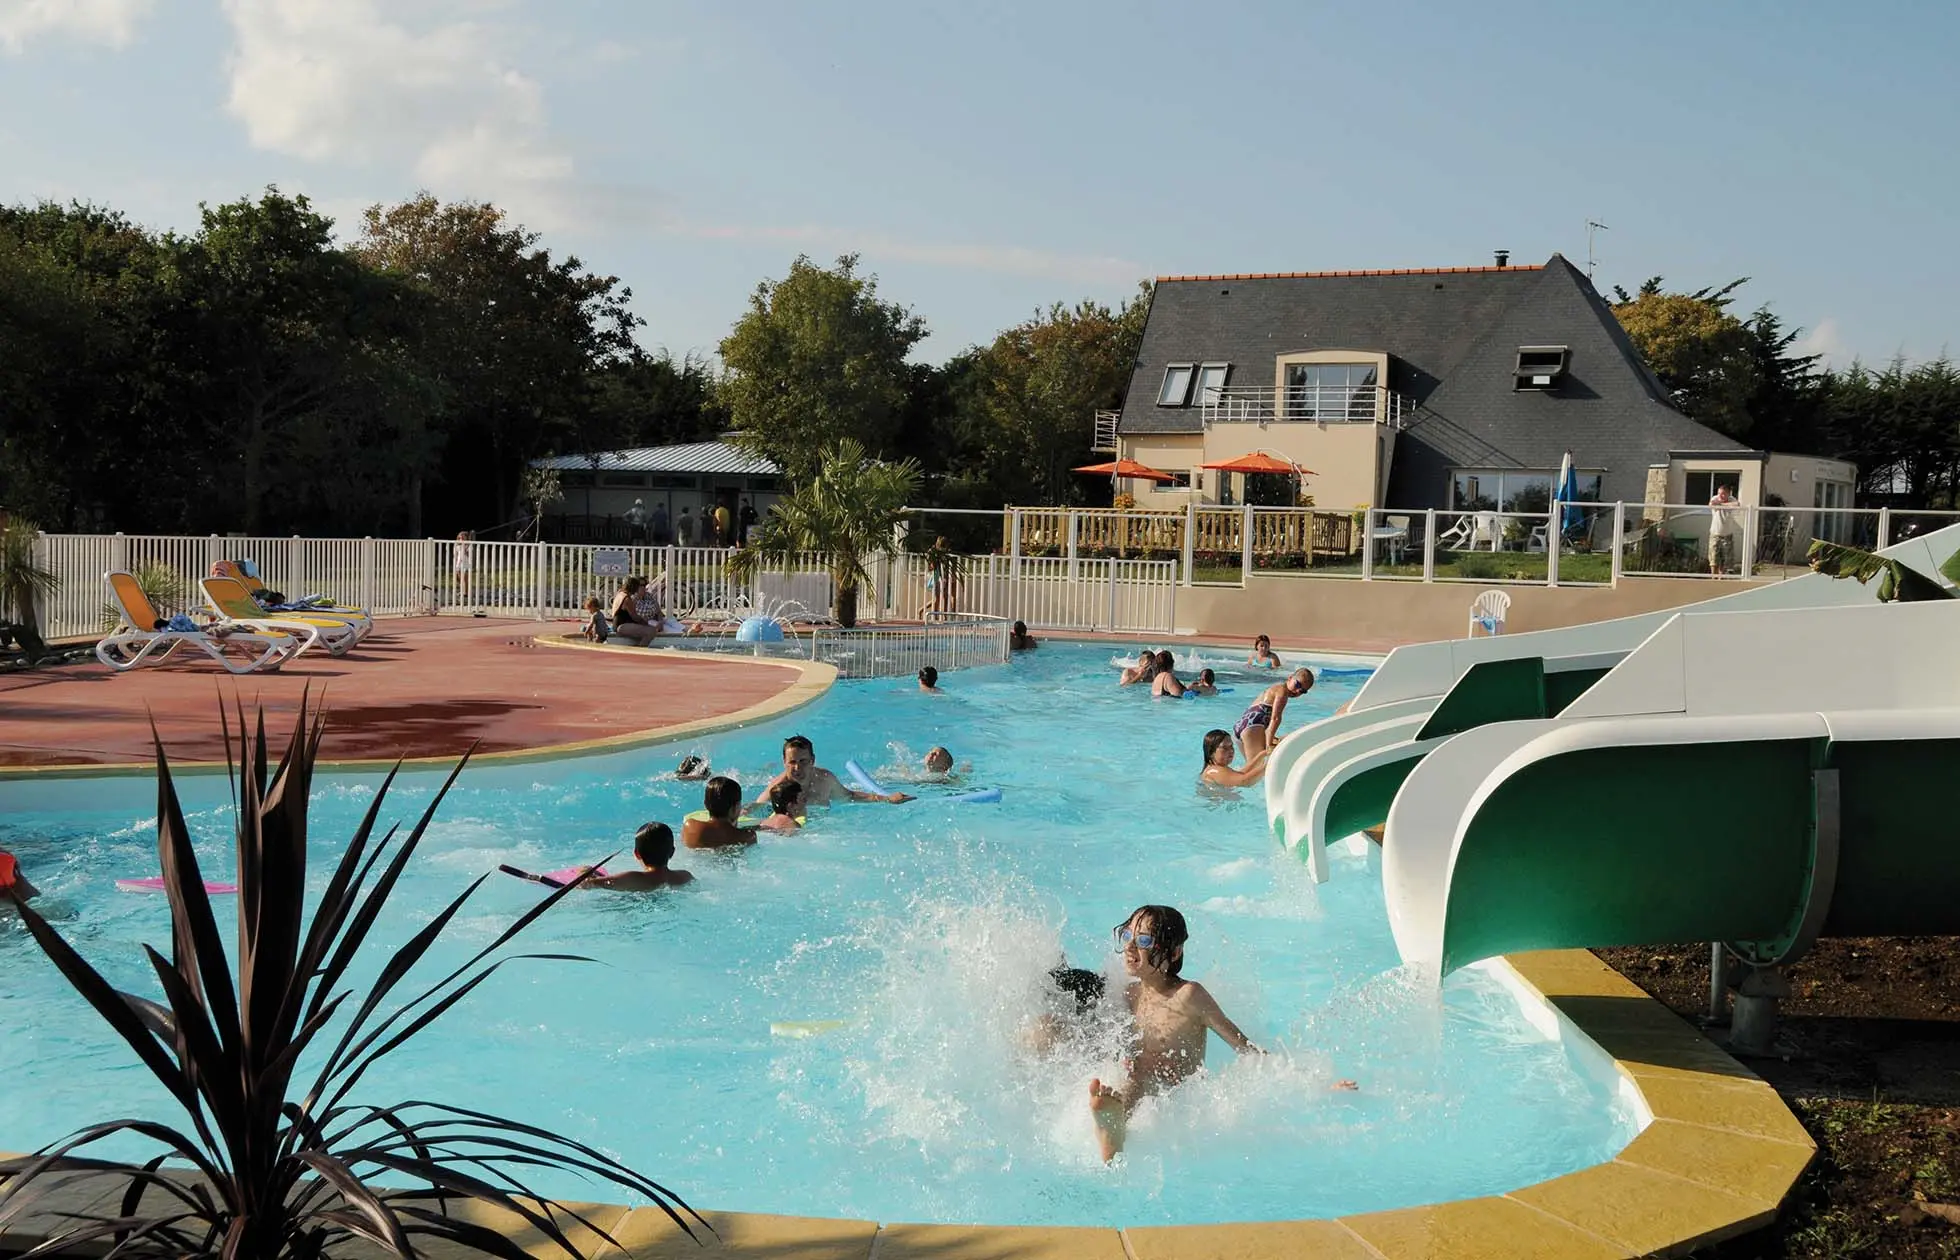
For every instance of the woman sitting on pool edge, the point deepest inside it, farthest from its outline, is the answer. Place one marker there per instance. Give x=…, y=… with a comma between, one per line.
x=1218, y=771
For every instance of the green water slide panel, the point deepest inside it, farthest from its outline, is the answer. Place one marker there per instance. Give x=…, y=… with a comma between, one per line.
x=1640, y=844
x=1362, y=802
x=1490, y=691
x=1564, y=687
x=1899, y=846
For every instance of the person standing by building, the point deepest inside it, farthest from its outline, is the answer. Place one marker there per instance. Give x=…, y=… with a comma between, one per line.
x=686, y=527
x=724, y=534
x=1721, y=530
x=661, y=534
x=636, y=522
x=748, y=520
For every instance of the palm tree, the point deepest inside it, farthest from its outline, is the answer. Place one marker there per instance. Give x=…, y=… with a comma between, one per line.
x=23, y=583
x=849, y=512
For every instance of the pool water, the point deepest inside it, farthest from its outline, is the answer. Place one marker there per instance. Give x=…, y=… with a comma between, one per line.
x=928, y=927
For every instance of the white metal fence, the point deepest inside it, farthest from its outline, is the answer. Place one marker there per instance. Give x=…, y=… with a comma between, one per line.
x=398, y=577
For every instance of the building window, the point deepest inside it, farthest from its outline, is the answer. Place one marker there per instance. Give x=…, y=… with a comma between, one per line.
x=1180, y=479
x=1211, y=380
x=1176, y=391
x=1539, y=367
x=1703, y=484
x=623, y=481
x=1514, y=490
x=1337, y=392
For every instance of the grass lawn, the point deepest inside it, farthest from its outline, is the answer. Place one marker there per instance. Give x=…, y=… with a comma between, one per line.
x=1474, y=566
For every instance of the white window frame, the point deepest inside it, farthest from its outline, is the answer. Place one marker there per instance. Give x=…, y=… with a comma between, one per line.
x=1183, y=398
x=1200, y=389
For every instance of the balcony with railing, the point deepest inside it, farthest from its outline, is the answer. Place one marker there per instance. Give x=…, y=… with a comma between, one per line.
x=1306, y=404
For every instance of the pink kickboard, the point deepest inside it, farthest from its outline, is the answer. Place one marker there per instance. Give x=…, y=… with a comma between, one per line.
x=155, y=884
x=569, y=874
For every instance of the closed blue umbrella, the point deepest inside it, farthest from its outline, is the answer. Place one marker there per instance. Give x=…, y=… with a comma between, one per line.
x=1568, y=494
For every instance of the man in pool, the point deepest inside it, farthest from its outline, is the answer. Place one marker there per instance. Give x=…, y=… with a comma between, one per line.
x=1142, y=672
x=653, y=845
x=1172, y=1016
x=820, y=786
x=1258, y=727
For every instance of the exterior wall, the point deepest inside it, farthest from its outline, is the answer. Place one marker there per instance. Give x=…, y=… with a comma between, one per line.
x=1794, y=478
x=1744, y=462
x=1169, y=452
x=676, y=490
x=1382, y=614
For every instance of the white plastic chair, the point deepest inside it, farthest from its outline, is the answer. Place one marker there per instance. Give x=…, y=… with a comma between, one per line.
x=1488, y=611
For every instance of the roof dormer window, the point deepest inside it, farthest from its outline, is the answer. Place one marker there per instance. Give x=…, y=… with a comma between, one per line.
x=1176, y=390
x=1540, y=367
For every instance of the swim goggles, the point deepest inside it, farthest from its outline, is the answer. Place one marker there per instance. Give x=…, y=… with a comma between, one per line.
x=1144, y=940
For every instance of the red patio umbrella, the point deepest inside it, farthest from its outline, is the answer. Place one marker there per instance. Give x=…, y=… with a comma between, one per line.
x=1260, y=462
x=1127, y=468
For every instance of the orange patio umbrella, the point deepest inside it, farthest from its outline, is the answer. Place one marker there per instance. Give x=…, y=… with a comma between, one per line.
x=1260, y=462
x=1127, y=468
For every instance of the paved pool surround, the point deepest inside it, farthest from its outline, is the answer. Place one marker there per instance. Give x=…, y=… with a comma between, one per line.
x=1716, y=1160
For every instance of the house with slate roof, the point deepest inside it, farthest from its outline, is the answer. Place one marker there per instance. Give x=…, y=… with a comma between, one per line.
x=1452, y=388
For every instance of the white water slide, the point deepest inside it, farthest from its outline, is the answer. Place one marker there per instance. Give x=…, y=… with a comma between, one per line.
x=1328, y=780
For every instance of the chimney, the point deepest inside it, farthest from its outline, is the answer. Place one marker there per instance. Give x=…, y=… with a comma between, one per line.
x=1503, y=257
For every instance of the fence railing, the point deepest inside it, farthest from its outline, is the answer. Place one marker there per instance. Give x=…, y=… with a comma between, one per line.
x=1305, y=404
x=396, y=577
x=960, y=641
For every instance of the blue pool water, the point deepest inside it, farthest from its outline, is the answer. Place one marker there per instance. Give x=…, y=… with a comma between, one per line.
x=928, y=926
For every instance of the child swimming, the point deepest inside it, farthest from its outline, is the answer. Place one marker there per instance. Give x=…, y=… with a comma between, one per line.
x=1262, y=653
x=785, y=807
x=1172, y=1016
x=939, y=760
x=653, y=845
x=1207, y=684
x=714, y=826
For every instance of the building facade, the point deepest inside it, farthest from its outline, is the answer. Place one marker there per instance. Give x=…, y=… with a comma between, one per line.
x=1451, y=388
x=671, y=484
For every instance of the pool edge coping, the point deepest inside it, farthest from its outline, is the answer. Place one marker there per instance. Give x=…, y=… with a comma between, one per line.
x=1716, y=1159
x=815, y=678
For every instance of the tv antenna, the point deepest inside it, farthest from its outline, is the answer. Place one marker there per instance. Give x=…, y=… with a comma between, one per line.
x=1592, y=229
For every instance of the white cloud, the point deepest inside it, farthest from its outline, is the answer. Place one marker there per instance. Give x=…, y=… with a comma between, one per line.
x=111, y=22
x=1823, y=339
x=421, y=85
x=1008, y=259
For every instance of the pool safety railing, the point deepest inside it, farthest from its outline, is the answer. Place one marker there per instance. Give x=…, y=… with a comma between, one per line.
x=546, y=581
x=958, y=641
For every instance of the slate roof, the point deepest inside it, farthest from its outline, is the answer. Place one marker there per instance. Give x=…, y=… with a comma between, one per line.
x=719, y=458
x=1452, y=336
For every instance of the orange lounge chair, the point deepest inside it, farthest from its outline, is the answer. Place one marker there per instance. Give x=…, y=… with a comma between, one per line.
x=234, y=605
x=138, y=641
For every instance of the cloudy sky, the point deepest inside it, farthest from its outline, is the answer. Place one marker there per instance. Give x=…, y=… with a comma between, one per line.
x=989, y=158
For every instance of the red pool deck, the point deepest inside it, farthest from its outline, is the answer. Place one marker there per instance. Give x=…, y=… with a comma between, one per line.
x=419, y=687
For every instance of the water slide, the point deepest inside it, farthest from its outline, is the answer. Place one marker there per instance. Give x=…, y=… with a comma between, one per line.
x=1332, y=778
x=1763, y=778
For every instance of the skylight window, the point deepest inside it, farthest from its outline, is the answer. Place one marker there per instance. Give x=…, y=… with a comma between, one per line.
x=1176, y=391
x=1211, y=380
x=1540, y=367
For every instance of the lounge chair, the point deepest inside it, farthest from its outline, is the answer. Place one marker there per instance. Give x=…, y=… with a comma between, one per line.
x=359, y=618
x=234, y=605
x=143, y=638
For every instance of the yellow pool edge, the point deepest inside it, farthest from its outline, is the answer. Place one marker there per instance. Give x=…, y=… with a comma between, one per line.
x=1716, y=1159
x=814, y=679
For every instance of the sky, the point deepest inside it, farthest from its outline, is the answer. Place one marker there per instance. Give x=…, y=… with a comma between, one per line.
x=987, y=159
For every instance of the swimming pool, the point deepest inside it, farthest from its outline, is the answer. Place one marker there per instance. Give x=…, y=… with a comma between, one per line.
x=929, y=927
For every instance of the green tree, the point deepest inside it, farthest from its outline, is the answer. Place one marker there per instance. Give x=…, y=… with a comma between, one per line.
x=513, y=340
x=1026, y=404
x=849, y=510
x=1702, y=354
x=817, y=359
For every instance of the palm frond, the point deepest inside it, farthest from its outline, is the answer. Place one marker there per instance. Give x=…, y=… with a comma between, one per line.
x=1897, y=581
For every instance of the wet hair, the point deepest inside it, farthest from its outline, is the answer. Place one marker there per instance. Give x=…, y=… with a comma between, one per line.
x=653, y=844
x=939, y=753
x=722, y=798
x=1208, y=678
x=1020, y=629
x=1167, y=926
x=1259, y=639
x=800, y=741
x=784, y=796
x=929, y=676
x=1297, y=675
x=1085, y=986
x=1213, y=740
x=691, y=764
x=1165, y=662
